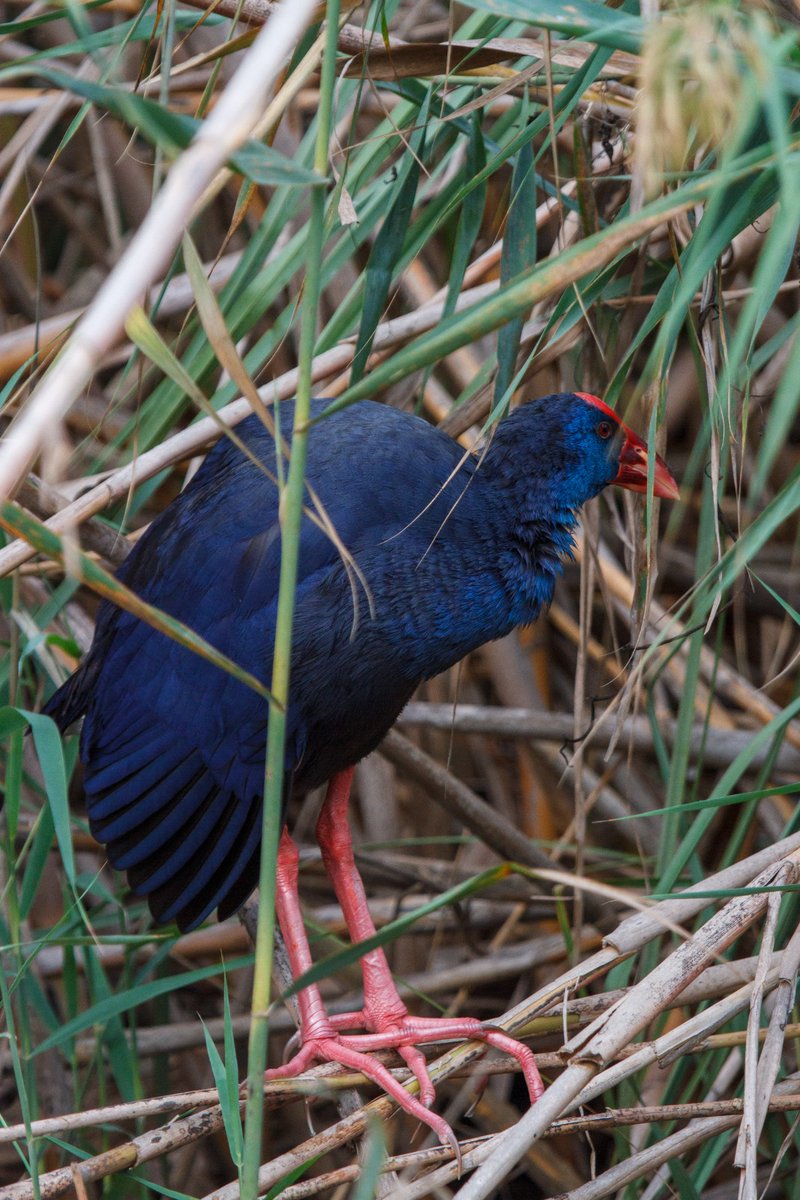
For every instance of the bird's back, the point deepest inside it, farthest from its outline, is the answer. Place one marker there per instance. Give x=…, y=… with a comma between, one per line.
x=173, y=746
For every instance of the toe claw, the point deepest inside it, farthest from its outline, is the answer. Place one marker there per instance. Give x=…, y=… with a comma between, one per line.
x=453, y=1143
x=331, y=1044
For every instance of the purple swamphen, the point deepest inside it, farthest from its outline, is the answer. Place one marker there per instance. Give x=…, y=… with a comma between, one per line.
x=435, y=553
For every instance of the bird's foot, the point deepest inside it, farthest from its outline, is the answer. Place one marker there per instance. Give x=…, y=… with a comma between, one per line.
x=349, y=1051
x=405, y=1035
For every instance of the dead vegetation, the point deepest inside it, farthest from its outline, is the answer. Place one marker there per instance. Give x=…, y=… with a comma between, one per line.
x=634, y=756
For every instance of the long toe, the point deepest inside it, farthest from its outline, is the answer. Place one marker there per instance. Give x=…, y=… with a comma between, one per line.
x=353, y=1050
x=416, y=1031
x=418, y=1066
x=339, y=1050
x=522, y=1053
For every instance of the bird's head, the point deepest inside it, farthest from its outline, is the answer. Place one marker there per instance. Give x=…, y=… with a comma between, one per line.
x=610, y=446
x=545, y=460
x=563, y=449
x=555, y=453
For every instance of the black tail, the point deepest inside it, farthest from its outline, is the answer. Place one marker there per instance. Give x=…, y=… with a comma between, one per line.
x=70, y=702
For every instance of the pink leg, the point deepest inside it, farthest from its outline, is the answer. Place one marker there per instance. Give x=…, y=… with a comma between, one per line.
x=314, y=1020
x=384, y=1015
x=381, y=1001
x=321, y=1042
x=383, y=1009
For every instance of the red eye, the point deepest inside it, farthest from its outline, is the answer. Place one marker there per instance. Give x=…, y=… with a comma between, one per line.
x=604, y=429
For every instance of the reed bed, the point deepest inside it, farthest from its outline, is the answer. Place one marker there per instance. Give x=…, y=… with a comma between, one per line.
x=587, y=832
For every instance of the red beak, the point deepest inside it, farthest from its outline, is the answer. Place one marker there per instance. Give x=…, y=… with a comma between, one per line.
x=633, y=457
x=632, y=472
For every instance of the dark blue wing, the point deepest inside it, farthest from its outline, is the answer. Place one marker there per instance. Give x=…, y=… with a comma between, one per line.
x=173, y=746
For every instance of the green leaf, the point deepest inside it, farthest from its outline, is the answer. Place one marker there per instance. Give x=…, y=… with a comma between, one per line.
x=372, y=1159
x=591, y=22
x=765, y=889
x=50, y=753
x=15, y=28
x=173, y=132
x=291, y=1177
x=226, y=1081
x=471, y=215
x=12, y=1042
x=387, y=249
x=22, y=525
x=140, y=29
x=782, y=414
x=681, y=855
x=41, y=844
x=11, y=721
x=548, y=277
x=130, y=998
x=519, y=255
x=343, y=958
x=116, y=1047
x=788, y=789
x=785, y=605
x=263, y=165
x=144, y=334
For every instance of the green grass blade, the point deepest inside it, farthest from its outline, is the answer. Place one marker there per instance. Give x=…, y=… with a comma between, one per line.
x=22, y=525
x=388, y=246
x=126, y=1001
x=519, y=255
